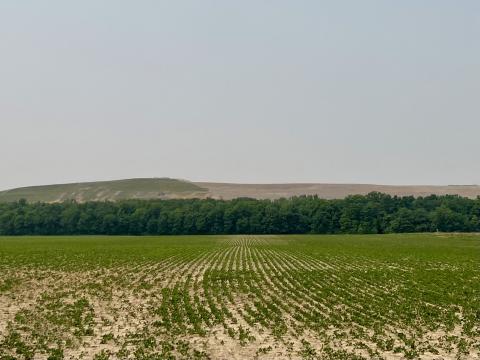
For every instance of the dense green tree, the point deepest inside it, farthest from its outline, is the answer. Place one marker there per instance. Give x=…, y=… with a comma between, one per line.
x=373, y=213
x=402, y=221
x=445, y=219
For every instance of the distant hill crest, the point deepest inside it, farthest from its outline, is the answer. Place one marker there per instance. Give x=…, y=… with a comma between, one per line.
x=167, y=188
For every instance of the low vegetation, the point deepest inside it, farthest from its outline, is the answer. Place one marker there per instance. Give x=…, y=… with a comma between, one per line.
x=146, y=188
x=265, y=297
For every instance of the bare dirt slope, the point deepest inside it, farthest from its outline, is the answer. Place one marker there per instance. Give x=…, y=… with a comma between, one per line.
x=329, y=191
x=165, y=188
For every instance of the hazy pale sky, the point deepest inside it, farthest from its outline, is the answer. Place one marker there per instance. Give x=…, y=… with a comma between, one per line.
x=242, y=91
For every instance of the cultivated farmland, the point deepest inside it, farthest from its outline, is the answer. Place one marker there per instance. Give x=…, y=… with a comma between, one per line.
x=240, y=297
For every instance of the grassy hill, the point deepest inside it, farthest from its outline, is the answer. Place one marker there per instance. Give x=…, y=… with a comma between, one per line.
x=165, y=188
x=153, y=188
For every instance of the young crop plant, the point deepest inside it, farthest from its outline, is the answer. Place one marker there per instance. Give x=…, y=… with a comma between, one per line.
x=240, y=296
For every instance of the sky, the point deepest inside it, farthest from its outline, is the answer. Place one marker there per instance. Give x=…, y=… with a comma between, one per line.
x=384, y=92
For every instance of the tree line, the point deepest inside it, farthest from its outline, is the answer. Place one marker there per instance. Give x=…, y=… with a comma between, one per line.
x=375, y=213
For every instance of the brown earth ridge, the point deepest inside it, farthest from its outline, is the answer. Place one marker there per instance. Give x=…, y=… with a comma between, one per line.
x=331, y=191
x=166, y=188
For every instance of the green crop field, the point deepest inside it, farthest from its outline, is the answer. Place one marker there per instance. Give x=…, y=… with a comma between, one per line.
x=240, y=297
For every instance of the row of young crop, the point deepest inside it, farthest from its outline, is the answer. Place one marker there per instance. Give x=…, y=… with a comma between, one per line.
x=260, y=291
x=289, y=292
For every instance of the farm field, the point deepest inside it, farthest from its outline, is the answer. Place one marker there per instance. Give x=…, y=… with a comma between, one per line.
x=241, y=297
